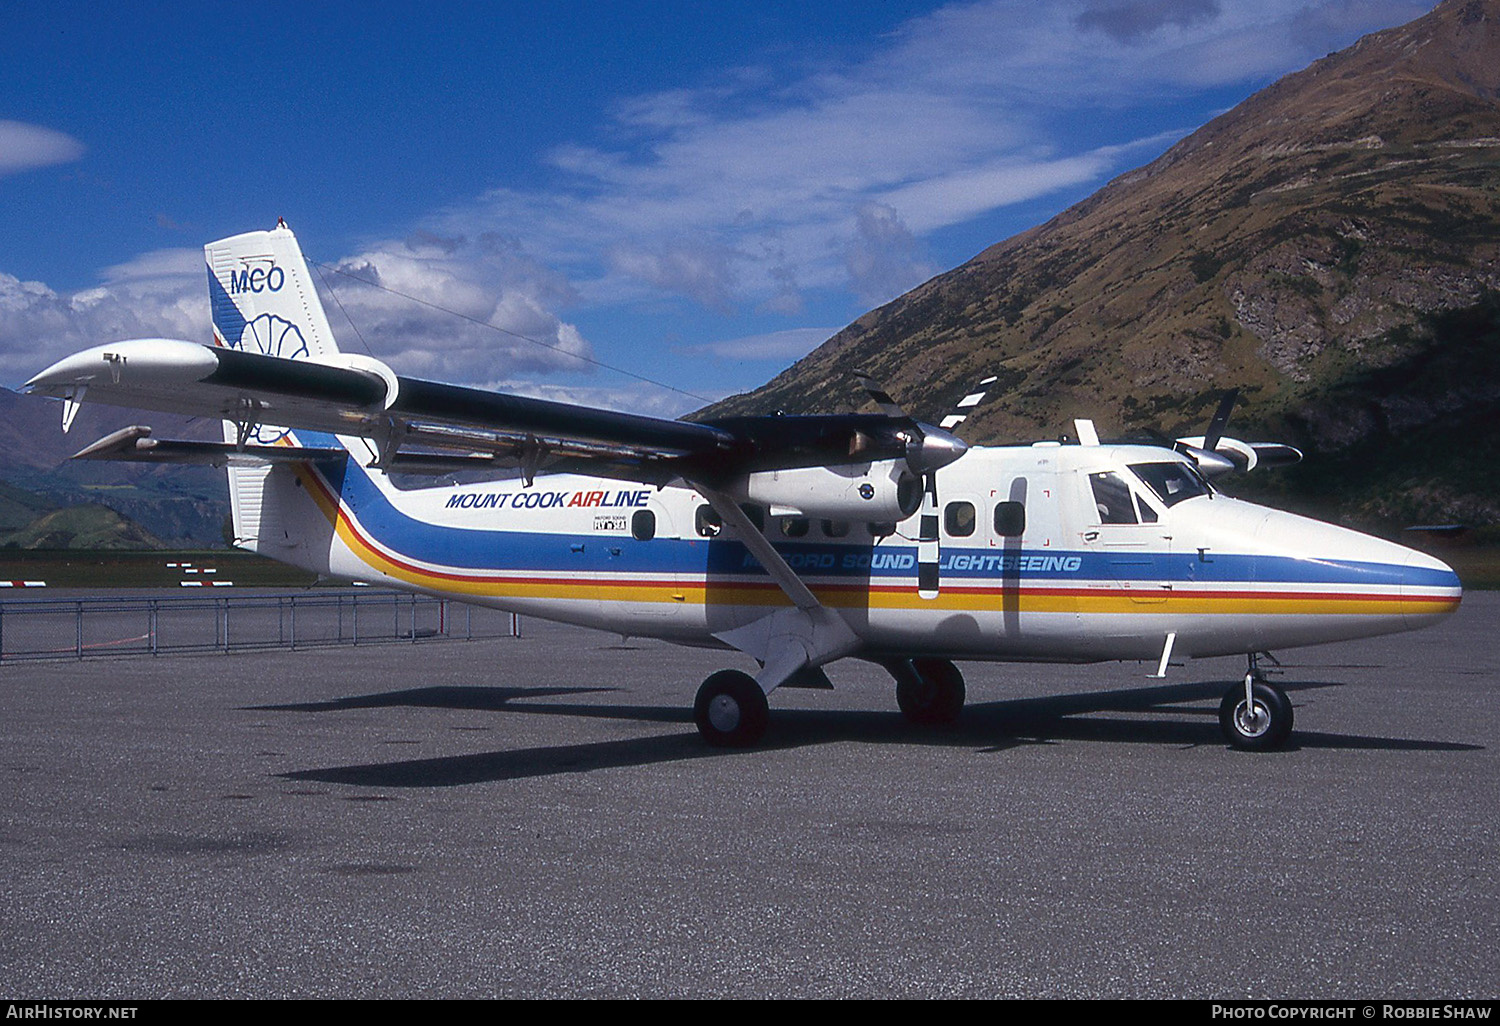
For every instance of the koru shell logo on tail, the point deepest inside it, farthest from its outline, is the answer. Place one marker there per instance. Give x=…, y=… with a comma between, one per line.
x=270, y=335
x=273, y=336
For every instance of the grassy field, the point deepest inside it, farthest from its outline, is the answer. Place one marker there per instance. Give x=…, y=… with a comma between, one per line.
x=1477, y=566
x=80, y=568
x=1473, y=554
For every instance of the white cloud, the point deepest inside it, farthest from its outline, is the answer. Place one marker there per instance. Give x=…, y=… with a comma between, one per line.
x=158, y=265
x=749, y=190
x=701, y=271
x=786, y=346
x=1130, y=20
x=884, y=259
x=24, y=147
x=482, y=310
x=454, y=308
x=160, y=294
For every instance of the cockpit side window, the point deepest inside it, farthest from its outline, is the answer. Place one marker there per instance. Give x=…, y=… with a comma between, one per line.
x=1112, y=498
x=1172, y=482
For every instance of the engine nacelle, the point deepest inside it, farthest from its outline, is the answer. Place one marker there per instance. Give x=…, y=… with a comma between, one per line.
x=1246, y=456
x=880, y=492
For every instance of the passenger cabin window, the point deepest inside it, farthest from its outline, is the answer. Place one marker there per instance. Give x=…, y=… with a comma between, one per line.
x=835, y=528
x=643, y=525
x=757, y=514
x=1010, y=519
x=1172, y=482
x=794, y=527
x=959, y=519
x=1112, y=499
x=707, y=522
x=881, y=530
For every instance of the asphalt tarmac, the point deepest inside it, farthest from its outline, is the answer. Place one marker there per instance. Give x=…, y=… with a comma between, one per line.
x=537, y=817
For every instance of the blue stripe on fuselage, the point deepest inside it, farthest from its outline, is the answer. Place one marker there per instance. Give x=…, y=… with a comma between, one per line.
x=483, y=548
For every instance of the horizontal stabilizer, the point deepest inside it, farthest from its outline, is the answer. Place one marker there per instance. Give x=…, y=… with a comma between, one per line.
x=135, y=444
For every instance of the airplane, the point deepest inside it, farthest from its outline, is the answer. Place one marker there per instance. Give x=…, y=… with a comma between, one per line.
x=795, y=540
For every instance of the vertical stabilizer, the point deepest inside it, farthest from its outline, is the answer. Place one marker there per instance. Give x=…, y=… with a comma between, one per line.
x=263, y=300
x=262, y=296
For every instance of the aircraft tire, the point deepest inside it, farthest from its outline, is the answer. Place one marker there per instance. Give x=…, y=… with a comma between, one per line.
x=731, y=710
x=1266, y=730
x=939, y=697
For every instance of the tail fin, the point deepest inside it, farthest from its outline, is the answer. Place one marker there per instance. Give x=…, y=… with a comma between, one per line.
x=262, y=296
x=263, y=301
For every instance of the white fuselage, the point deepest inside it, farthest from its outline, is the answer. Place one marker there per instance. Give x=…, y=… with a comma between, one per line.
x=1105, y=565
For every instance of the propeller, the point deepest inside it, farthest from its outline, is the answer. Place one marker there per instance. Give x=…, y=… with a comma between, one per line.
x=927, y=450
x=1217, y=455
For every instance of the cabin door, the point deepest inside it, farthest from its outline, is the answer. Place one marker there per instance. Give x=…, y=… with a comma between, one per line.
x=1125, y=539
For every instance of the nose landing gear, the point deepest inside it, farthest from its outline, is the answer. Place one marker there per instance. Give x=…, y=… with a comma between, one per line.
x=1256, y=716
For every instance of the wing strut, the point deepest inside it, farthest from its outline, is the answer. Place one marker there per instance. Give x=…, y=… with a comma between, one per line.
x=790, y=640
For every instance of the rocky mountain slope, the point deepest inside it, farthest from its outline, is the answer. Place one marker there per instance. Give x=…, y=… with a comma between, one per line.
x=1331, y=246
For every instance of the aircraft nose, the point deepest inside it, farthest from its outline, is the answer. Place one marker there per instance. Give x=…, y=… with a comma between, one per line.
x=1399, y=587
x=1429, y=589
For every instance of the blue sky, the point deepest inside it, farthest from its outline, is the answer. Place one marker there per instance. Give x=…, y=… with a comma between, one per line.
x=696, y=194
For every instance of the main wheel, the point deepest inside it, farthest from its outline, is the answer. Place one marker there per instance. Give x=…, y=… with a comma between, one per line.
x=1262, y=725
x=731, y=710
x=936, y=696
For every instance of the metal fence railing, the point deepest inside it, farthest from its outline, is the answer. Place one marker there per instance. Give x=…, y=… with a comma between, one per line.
x=79, y=628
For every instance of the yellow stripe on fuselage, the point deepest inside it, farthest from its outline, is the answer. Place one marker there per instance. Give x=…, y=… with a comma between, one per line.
x=1107, y=597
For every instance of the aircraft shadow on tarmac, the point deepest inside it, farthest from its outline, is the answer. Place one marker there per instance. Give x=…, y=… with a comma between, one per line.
x=987, y=727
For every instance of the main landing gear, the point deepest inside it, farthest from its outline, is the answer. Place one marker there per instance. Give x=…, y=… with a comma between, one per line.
x=930, y=692
x=731, y=710
x=1256, y=716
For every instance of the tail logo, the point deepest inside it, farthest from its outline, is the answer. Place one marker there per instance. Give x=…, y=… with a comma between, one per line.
x=256, y=279
x=270, y=335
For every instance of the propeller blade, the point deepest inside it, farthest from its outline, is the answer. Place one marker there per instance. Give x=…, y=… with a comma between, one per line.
x=888, y=406
x=1274, y=454
x=929, y=550
x=966, y=404
x=1221, y=420
x=927, y=447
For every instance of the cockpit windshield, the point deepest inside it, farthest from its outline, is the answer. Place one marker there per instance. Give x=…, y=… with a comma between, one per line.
x=1172, y=482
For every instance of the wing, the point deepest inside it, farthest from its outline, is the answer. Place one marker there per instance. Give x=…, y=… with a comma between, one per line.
x=428, y=427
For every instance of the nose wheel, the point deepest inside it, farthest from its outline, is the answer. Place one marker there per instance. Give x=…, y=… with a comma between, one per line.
x=1256, y=716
